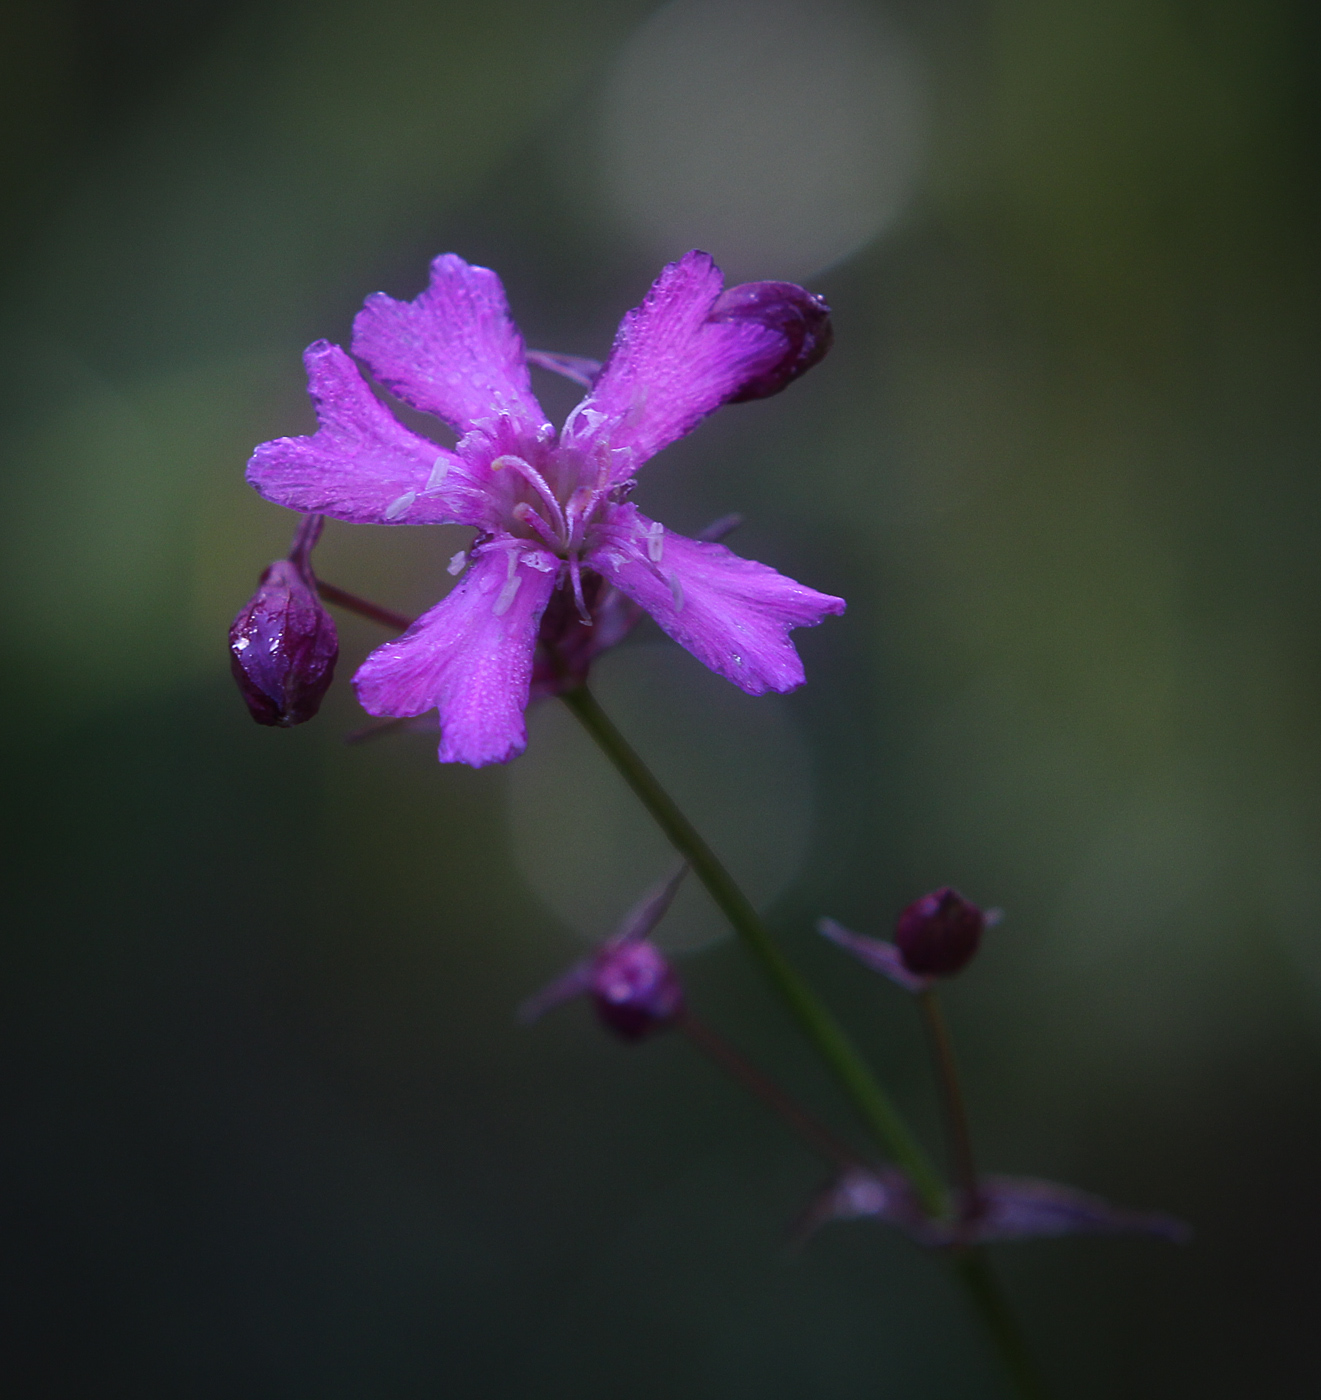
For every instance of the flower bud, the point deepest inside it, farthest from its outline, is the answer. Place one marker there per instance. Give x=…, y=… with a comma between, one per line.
x=634, y=989
x=801, y=317
x=939, y=934
x=282, y=647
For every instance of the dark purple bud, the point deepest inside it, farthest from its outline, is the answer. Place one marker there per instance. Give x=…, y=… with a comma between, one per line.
x=634, y=989
x=939, y=934
x=282, y=647
x=801, y=317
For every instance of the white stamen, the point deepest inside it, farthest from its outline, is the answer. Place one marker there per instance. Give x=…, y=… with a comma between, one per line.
x=512, y=580
x=457, y=563
x=655, y=541
x=542, y=563
x=440, y=469
x=400, y=505
x=676, y=592
x=506, y=596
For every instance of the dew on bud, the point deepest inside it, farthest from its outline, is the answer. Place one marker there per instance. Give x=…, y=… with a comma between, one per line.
x=282, y=647
x=801, y=317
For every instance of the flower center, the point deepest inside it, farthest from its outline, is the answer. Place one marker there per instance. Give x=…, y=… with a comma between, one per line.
x=558, y=504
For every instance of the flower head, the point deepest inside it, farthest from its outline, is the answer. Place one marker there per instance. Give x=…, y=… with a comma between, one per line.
x=935, y=936
x=1009, y=1208
x=282, y=644
x=551, y=509
x=632, y=986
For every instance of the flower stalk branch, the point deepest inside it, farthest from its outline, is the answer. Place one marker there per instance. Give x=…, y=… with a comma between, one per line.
x=387, y=617
x=808, y=1127
x=831, y=1042
x=970, y=1262
x=963, y=1162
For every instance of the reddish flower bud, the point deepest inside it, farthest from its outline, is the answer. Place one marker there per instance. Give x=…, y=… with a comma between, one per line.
x=801, y=317
x=283, y=646
x=635, y=990
x=630, y=981
x=939, y=934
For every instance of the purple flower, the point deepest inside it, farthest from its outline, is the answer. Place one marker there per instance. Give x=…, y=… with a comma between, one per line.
x=630, y=981
x=282, y=645
x=1008, y=1208
x=551, y=509
x=936, y=936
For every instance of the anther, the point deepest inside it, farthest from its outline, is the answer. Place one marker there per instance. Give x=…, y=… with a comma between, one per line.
x=399, y=506
x=439, y=471
x=512, y=581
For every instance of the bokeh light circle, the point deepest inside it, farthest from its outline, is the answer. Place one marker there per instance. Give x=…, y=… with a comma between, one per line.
x=779, y=135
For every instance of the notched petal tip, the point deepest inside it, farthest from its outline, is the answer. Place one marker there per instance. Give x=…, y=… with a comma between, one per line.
x=802, y=319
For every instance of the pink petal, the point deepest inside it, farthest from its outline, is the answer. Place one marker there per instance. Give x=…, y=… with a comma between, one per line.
x=874, y=953
x=643, y=917
x=362, y=464
x=470, y=657
x=670, y=366
x=454, y=351
x=1019, y=1207
x=573, y=983
x=733, y=614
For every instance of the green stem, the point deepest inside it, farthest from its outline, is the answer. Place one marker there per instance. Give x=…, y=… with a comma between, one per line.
x=975, y=1273
x=957, y=1131
x=970, y=1263
x=834, y=1046
x=821, y=1028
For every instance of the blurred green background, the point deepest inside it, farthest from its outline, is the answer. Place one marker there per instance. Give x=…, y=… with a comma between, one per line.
x=268, y=1127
